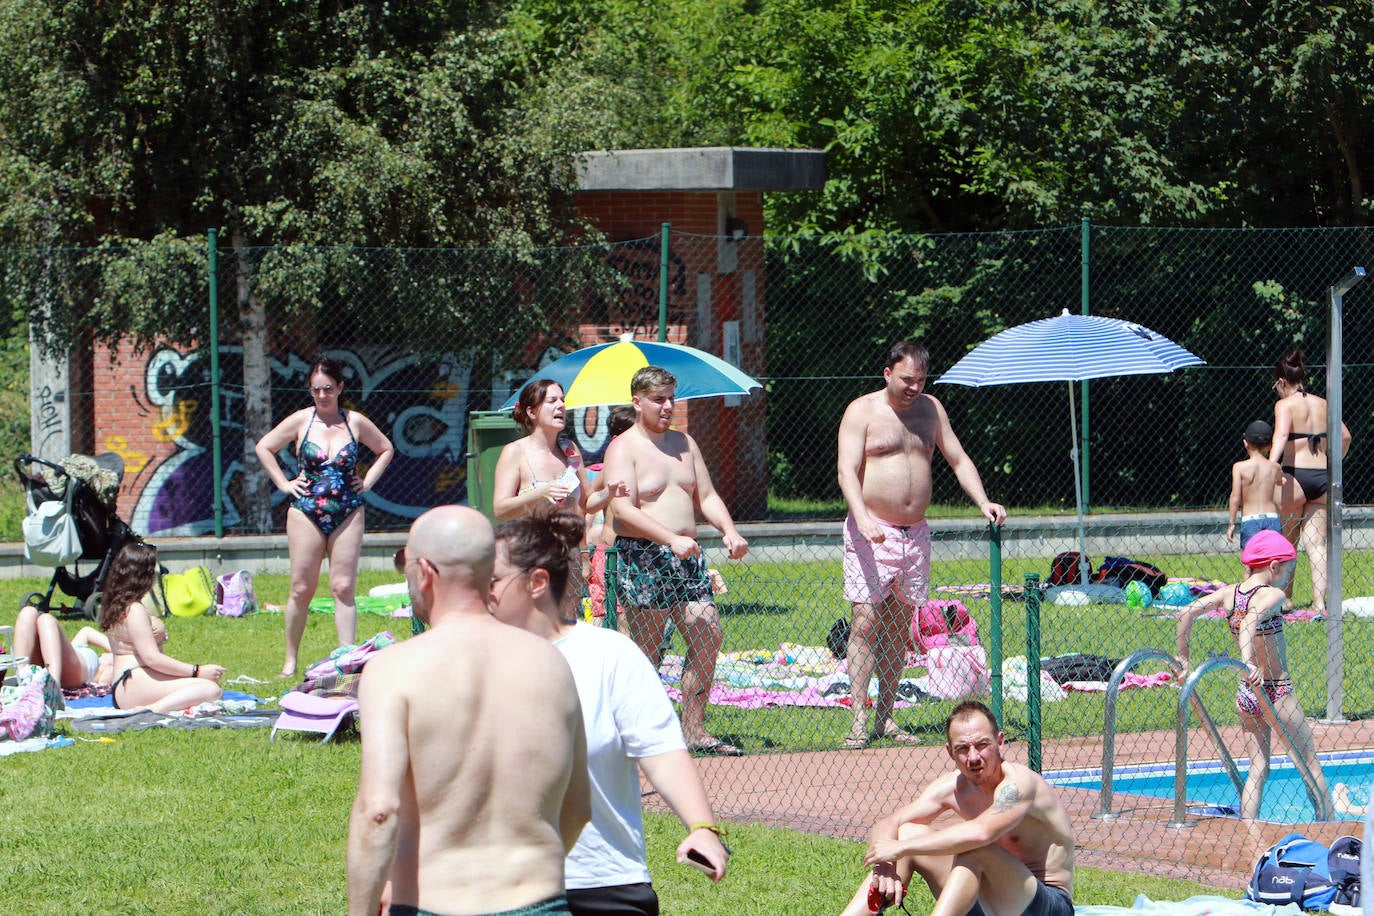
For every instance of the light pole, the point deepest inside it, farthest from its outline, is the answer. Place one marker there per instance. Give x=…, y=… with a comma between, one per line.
x=1335, y=501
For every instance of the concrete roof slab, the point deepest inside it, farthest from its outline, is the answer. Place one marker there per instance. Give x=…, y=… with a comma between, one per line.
x=719, y=168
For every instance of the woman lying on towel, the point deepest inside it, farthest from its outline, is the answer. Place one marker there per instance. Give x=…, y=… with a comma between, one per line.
x=629, y=721
x=144, y=676
x=73, y=661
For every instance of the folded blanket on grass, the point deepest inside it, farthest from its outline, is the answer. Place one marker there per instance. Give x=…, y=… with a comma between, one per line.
x=810, y=676
x=97, y=714
x=381, y=605
x=139, y=720
x=1203, y=905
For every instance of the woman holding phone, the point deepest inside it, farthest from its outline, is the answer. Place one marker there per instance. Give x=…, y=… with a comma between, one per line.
x=630, y=723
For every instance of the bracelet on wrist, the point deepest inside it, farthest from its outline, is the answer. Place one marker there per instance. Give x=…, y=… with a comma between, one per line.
x=706, y=825
x=195, y=671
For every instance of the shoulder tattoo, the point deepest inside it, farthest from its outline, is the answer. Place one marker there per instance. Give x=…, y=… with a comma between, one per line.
x=1007, y=796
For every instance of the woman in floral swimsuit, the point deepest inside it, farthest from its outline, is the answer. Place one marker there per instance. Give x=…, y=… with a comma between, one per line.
x=326, y=513
x=1255, y=615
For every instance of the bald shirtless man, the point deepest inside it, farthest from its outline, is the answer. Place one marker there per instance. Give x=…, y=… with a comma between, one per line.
x=886, y=442
x=661, y=571
x=474, y=780
x=1009, y=852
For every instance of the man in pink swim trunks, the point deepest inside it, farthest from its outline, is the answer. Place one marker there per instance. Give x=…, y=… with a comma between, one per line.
x=886, y=442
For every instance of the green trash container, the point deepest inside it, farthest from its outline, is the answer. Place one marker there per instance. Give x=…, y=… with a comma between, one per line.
x=488, y=433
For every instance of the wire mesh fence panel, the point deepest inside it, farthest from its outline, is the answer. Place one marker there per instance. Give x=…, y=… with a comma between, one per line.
x=435, y=341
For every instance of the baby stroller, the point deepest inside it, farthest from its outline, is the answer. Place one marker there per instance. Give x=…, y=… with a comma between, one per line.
x=101, y=532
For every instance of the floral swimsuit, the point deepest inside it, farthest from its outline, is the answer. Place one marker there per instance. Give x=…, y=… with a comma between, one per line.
x=331, y=497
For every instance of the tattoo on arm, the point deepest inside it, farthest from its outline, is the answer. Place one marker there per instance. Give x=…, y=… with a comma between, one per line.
x=1007, y=796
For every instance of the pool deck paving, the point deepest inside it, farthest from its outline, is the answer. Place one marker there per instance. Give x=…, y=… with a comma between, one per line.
x=842, y=793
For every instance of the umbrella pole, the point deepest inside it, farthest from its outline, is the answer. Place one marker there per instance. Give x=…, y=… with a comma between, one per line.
x=1077, y=489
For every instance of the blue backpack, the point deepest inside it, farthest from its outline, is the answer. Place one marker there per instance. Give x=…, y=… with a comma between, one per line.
x=1293, y=870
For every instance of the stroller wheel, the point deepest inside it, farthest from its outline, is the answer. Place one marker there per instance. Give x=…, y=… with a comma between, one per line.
x=38, y=601
x=90, y=608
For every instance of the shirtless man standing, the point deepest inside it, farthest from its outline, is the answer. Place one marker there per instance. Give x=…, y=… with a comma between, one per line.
x=1010, y=851
x=886, y=442
x=474, y=783
x=661, y=571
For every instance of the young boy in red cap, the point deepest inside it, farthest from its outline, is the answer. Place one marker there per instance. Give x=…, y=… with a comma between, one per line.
x=1255, y=614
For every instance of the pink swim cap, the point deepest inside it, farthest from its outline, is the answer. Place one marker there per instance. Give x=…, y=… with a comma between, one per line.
x=1266, y=547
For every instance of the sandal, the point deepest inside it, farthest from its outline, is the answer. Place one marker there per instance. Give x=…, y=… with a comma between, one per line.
x=716, y=748
x=855, y=743
x=897, y=736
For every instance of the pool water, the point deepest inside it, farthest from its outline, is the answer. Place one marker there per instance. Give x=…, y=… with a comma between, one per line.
x=1285, y=797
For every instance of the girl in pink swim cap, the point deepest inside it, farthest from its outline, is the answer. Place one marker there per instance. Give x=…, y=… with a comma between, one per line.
x=1267, y=547
x=1254, y=611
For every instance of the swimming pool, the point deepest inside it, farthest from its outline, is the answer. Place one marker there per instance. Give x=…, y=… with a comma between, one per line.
x=1285, y=797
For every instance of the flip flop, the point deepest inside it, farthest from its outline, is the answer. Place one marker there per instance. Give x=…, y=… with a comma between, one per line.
x=716, y=748
x=855, y=743
x=897, y=736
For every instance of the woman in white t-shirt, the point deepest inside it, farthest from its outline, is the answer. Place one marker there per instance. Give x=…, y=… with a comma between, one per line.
x=629, y=720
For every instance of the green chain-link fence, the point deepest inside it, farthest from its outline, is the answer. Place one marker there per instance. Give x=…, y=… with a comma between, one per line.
x=429, y=337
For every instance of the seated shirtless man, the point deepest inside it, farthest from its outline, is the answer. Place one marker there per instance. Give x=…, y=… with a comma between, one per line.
x=1009, y=852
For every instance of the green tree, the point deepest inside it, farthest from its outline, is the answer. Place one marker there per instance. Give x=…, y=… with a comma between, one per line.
x=130, y=128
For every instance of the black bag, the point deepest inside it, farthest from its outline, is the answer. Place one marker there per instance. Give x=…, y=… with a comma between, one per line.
x=1079, y=667
x=1064, y=569
x=838, y=638
x=1121, y=571
x=1344, y=864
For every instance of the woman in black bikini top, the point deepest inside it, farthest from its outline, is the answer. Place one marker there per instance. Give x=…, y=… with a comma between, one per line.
x=144, y=675
x=1300, y=415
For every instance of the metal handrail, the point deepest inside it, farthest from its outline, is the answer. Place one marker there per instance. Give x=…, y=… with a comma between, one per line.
x=1321, y=803
x=1119, y=673
x=1109, y=727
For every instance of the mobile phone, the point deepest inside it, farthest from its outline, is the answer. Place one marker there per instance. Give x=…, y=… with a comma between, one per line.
x=699, y=862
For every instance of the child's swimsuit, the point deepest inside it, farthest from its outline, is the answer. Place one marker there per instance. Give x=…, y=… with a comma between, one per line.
x=1271, y=625
x=331, y=497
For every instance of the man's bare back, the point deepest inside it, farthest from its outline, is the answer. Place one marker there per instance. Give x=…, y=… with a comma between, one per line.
x=473, y=784
x=503, y=722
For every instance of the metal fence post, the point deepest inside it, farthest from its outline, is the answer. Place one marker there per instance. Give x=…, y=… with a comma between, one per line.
x=1335, y=655
x=1033, y=671
x=663, y=259
x=216, y=440
x=1084, y=264
x=612, y=598
x=995, y=628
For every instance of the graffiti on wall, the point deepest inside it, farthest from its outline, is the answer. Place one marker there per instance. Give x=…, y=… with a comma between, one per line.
x=634, y=308
x=420, y=403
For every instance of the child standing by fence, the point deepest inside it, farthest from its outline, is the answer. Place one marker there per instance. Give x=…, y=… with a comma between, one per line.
x=1254, y=482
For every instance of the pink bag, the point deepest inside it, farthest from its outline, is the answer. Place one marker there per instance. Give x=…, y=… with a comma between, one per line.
x=234, y=594
x=32, y=712
x=958, y=672
x=942, y=623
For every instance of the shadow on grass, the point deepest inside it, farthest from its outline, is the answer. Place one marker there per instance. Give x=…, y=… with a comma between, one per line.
x=741, y=608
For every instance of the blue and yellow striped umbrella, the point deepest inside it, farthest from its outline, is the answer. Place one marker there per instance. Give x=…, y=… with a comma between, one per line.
x=600, y=375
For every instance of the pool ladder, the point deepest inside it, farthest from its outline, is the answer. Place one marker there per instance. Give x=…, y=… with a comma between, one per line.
x=1321, y=802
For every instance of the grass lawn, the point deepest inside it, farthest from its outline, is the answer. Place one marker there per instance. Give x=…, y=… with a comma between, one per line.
x=222, y=821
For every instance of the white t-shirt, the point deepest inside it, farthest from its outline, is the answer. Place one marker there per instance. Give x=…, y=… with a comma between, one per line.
x=627, y=715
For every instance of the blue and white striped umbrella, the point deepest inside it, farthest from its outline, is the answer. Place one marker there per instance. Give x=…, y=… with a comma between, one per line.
x=1069, y=348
